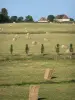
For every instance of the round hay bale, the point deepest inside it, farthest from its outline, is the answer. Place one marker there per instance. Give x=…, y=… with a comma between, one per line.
x=28, y=34
x=34, y=42
x=16, y=35
x=26, y=31
x=47, y=32
x=14, y=39
x=67, y=51
x=28, y=37
x=45, y=39
x=10, y=25
x=14, y=22
x=63, y=46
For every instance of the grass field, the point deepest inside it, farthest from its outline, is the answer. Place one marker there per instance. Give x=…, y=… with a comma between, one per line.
x=18, y=72
x=38, y=28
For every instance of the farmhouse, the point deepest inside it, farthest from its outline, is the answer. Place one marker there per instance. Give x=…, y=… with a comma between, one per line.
x=43, y=20
x=62, y=18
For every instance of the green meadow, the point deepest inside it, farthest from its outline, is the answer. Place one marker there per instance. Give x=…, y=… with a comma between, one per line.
x=19, y=71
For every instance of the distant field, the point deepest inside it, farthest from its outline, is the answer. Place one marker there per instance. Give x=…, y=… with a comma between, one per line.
x=18, y=72
x=19, y=45
x=38, y=28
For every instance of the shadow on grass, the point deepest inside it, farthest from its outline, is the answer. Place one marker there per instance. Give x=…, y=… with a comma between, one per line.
x=53, y=77
x=6, y=57
x=41, y=98
x=41, y=32
x=24, y=57
x=35, y=83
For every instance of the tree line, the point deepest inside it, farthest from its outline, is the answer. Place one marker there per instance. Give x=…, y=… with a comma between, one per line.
x=5, y=18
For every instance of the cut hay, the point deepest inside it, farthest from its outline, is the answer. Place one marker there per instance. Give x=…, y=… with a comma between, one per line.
x=28, y=36
x=10, y=25
x=67, y=51
x=14, y=39
x=16, y=35
x=34, y=42
x=45, y=39
x=47, y=32
x=63, y=46
x=26, y=31
x=14, y=22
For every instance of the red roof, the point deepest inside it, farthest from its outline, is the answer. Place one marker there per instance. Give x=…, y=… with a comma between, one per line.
x=62, y=17
x=43, y=19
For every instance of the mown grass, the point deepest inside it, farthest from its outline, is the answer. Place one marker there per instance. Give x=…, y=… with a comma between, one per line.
x=48, y=92
x=17, y=76
x=18, y=71
x=19, y=45
x=38, y=28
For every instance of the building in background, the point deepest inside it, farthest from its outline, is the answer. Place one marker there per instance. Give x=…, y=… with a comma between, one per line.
x=43, y=20
x=62, y=18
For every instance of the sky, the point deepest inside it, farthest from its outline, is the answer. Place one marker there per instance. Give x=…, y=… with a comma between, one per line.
x=39, y=8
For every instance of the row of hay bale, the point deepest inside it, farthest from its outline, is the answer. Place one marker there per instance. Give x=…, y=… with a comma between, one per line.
x=34, y=89
x=16, y=37
x=45, y=39
x=36, y=42
x=28, y=36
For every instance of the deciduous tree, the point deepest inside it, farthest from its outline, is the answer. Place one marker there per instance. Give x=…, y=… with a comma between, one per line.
x=14, y=18
x=29, y=18
x=4, y=11
x=50, y=18
x=20, y=19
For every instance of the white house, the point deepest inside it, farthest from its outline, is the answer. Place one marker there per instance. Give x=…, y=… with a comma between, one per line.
x=62, y=18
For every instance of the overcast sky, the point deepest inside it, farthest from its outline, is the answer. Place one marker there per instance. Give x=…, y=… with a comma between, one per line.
x=39, y=8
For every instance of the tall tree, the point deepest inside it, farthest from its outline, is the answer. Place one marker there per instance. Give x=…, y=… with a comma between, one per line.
x=4, y=19
x=20, y=19
x=29, y=18
x=1, y=18
x=50, y=18
x=4, y=11
x=13, y=18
